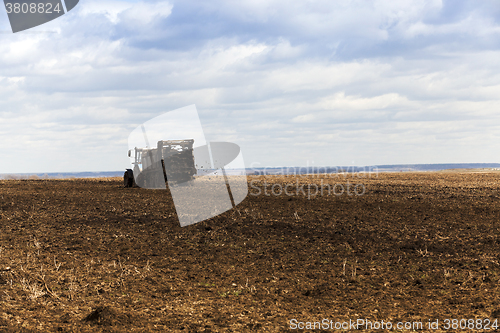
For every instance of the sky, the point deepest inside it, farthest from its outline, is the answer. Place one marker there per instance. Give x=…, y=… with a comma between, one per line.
x=293, y=83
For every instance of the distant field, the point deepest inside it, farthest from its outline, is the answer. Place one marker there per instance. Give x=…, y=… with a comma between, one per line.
x=488, y=170
x=281, y=170
x=89, y=255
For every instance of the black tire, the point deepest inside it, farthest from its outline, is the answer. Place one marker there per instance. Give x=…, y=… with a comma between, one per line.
x=128, y=178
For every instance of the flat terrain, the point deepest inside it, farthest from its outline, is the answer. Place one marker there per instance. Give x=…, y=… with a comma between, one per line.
x=91, y=256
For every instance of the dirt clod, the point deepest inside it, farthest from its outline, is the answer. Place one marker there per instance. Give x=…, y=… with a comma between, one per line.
x=106, y=316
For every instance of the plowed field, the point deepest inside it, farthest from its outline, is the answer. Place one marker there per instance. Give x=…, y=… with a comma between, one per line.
x=91, y=256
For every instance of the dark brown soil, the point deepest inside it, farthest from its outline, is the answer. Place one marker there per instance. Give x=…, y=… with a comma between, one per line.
x=92, y=256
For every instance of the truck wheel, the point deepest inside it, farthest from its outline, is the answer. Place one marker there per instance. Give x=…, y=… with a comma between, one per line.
x=128, y=179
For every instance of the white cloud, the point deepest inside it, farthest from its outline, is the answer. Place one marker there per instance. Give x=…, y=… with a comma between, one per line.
x=135, y=13
x=111, y=9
